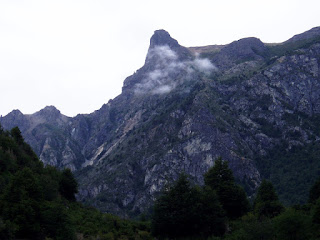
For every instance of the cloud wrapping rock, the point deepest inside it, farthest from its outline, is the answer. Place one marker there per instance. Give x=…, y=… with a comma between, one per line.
x=167, y=69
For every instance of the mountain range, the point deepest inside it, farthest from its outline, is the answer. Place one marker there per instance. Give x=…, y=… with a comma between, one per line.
x=257, y=105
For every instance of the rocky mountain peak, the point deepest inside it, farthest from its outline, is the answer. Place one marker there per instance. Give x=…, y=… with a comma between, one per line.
x=13, y=119
x=164, y=52
x=246, y=49
x=162, y=45
x=162, y=38
x=16, y=113
x=50, y=113
x=50, y=110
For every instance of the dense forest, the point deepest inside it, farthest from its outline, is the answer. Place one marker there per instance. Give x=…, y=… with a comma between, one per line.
x=38, y=202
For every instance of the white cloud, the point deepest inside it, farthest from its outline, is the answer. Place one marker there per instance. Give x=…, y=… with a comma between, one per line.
x=163, y=89
x=204, y=65
x=162, y=53
x=162, y=79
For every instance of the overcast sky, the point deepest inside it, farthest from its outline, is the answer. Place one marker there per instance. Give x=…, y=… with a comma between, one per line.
x=76, y=54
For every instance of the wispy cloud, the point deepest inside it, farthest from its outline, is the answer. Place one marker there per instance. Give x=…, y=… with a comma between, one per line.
x=204, y=65
x=164, y=77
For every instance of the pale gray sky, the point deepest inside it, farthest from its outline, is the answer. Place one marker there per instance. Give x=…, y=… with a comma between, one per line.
x=75, y=54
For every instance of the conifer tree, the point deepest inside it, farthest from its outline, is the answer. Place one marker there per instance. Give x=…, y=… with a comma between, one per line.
x=231, y=196
x=16, y=134
x=267, y=203
x=187, y=211
x=68, y=186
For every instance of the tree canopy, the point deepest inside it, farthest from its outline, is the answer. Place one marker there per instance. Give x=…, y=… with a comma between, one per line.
x=232, y=197
x=267, y=203
x=184, y=210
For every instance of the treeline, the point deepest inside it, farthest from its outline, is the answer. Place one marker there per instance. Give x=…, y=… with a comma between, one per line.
x=38, y=202
x=220, y=210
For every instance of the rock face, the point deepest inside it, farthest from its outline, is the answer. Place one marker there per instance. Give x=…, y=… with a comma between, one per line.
x=178, y=113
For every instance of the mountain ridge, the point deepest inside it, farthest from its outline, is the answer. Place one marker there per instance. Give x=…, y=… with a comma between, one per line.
x=179, y=112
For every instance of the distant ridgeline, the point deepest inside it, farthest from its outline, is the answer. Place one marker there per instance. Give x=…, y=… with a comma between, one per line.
x=256, y=105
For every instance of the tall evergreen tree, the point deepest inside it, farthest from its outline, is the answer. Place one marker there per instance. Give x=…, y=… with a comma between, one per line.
x=186, y=211
x=68, y=186
x=173, y=211
x=16, y=134
x=232, y=197
x=267, y=203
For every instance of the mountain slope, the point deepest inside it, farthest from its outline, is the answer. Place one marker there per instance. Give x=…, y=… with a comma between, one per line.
x=184, y=108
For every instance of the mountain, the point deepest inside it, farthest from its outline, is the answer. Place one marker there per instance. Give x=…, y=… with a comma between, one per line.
x=256, y=105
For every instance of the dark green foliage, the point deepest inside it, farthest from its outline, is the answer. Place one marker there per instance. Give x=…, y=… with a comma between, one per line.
x=219, y=175
x=211, y=215
x=291, y=171
x=20, y=203
x=68, y=186
x=314, y=193
x=56, y=221
x=301, y=222
x=292, y=225
x=174, y=211
x=231, y=196
x=267, y=203
x=250, y=228
x=16, y=134
x=186, y=211
x=38, y=202
x=92, y=223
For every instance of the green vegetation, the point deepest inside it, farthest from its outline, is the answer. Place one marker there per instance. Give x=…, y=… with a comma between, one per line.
x=187, y=211
x=291, y=171
x=232, y=197
x=38, y=202
x=266, y=202
x=184, y=211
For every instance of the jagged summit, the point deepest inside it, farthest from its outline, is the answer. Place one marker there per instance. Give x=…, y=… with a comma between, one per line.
x=50, y=114
x=246, y=47
x=15, y=112
x=161, y=38
x=50, y=109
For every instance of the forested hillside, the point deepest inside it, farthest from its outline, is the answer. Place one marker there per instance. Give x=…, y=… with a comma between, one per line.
x=38, y=202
